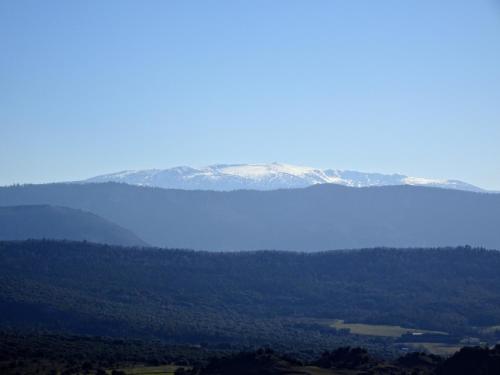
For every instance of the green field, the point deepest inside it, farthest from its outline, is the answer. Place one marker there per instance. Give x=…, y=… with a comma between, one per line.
x=150, y=370
x=437, y=348
x=312, y=370
x=378, y=330
x=491, y=329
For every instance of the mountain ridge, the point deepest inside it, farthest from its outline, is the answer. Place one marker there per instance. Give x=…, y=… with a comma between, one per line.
x=316, y=218
x=43, y=221
x=227, y=177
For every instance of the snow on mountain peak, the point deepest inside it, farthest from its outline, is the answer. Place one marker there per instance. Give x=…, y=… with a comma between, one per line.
x=270, y=176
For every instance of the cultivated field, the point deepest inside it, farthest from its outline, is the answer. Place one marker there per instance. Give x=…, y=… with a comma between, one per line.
x=150, y=370
x=378, y=330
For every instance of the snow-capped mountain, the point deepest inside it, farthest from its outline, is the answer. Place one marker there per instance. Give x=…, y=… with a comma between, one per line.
x=266, y=177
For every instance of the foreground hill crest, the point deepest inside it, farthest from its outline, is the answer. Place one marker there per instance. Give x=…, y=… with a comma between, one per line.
x=223, y=177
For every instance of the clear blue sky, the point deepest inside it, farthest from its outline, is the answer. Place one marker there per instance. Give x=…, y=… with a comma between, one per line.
x=90, y=87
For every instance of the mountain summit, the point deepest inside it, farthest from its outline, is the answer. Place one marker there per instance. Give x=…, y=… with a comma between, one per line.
x=224, y=177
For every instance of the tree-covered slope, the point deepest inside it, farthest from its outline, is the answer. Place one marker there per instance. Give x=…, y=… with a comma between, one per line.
x=229, y=297
x=322, y=217
x=43, y=221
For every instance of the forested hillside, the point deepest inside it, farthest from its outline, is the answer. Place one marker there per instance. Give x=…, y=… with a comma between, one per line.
x=322, y=217
x=252, y=297
x=49, y=222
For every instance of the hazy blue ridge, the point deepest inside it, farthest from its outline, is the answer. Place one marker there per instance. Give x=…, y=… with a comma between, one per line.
x=55, y=222
x=320, y=217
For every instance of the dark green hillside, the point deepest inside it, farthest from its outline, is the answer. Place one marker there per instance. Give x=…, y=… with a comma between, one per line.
x=323, y=217
x=43, y=221
x=282, y=297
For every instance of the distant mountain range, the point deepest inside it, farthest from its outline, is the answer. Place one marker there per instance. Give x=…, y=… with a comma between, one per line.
x=50, y=222
x=266, y=177
x=319, y=217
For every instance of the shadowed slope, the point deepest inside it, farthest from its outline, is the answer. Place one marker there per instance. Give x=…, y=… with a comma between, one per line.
x=43, y=221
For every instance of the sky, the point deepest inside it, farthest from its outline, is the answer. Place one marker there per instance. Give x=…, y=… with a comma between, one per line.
x=391, y=86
